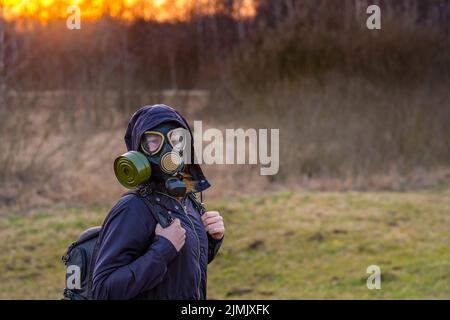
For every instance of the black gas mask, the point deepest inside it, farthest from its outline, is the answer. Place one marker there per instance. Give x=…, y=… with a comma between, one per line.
x=163, y=147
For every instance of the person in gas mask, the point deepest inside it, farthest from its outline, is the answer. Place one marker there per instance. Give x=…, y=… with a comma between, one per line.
x=136, y=258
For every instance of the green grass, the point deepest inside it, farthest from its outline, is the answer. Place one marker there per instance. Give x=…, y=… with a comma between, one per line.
x=281, y=246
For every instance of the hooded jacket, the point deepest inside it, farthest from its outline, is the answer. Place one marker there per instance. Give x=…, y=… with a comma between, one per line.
x=131, y=262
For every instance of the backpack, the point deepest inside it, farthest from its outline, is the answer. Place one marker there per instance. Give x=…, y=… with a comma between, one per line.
x=80, y=255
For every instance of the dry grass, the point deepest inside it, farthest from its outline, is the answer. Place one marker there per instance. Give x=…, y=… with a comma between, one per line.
x=64, y=153
x=334, y=136
x=351, y=129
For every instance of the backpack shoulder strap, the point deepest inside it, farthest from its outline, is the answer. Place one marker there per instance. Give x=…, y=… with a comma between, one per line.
x=159, y=213
x=197, y=202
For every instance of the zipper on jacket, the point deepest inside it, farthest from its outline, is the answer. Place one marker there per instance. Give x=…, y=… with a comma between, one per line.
x=198, y=252
x=196, y=235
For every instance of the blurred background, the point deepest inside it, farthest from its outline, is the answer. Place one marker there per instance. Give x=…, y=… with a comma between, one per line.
x=364, y=136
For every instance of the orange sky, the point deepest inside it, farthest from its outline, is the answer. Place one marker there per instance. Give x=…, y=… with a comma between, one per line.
x=160, y=10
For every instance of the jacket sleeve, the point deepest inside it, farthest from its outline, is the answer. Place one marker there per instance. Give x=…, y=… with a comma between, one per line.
x=213, y=247
x=126, y=262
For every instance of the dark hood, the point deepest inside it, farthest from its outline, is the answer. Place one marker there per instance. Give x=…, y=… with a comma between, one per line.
x=149, y=117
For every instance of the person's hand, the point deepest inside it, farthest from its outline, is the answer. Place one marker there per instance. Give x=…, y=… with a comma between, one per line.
x=174, y=233
x=213, y=223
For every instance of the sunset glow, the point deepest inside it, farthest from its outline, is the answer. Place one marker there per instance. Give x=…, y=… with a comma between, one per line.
x=158, y=10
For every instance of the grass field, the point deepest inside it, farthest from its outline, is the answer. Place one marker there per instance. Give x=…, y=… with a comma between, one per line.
x=278, y=246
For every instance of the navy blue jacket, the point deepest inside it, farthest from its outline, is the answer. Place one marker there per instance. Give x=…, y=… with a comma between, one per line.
x=131, y=262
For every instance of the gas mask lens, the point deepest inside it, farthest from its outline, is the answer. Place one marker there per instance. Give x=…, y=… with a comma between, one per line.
x=152, y=142
x=177, y=138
